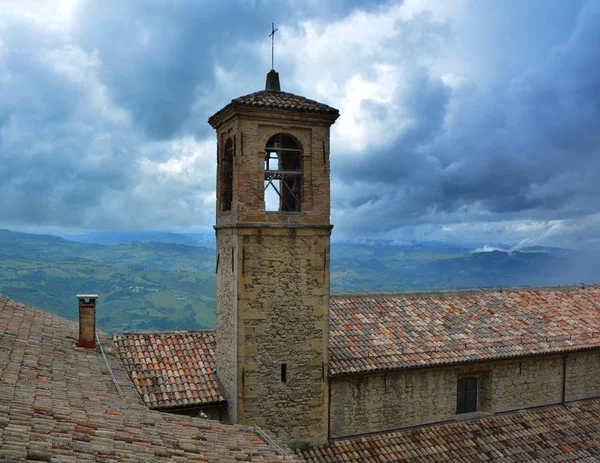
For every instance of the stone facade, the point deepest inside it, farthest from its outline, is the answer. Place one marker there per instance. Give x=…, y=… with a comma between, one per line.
x=386, y=401
x=227, y=320
x=273, y=302
x=250, y=129
x=378, y=402
x=583, y=376
x=273, y=278
x=284, y=298
x=530, y=383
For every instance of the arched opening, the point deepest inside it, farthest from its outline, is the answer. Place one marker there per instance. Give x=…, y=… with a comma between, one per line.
x=227, y=176
x=283, y=174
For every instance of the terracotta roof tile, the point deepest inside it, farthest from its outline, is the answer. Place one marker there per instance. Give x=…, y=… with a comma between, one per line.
x=58, y=403
x=283, y=100
x=569, y=433
x=269, y=99
x=374, y=332
x=172, y=369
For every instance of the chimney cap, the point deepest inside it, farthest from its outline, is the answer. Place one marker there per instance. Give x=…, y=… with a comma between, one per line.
x=87, y=296
x=272, y=84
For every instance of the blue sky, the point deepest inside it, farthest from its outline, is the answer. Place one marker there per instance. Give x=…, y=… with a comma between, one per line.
x=472, y=121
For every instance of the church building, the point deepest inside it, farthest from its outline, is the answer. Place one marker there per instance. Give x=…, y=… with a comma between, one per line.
x=310, y=367
x=294, y=373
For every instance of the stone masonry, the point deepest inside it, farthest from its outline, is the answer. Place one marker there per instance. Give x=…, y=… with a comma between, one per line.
x=273, y=278
x=379, y=402
x=273, y=311
x=273, y=303
x=583, y=378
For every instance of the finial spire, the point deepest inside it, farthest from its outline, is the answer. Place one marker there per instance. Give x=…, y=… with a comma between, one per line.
x=273, y=81
x=272, y=35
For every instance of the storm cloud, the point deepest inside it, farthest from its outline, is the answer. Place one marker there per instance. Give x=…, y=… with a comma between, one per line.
x=474, y=122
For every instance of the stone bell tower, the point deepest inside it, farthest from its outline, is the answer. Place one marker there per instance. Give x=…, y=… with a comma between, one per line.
x=273, y=232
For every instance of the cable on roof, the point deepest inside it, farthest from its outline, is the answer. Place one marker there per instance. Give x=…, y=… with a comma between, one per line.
x=263, y=435
x=109, y=368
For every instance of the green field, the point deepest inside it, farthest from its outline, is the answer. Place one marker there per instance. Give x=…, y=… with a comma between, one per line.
x=148, y=285
x=131, y=299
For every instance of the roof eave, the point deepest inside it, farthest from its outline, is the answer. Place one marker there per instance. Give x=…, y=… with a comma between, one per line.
x=224, y=114
x=236, y=109
x=200, y=406
x=463, y=362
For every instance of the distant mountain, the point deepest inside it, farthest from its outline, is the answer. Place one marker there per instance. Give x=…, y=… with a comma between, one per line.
x=142, y=285
x=422, y=269
x=185, y=239
x=112, y=238
x=381, y=248
x=42, y=247
x=162, y=280
x=558, y=252
x=160, y=256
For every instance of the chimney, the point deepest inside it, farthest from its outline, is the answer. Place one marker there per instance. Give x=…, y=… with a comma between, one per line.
x=87, y=320
x=272, y=84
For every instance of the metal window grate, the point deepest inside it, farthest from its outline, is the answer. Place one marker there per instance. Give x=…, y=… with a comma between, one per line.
x=283, y=172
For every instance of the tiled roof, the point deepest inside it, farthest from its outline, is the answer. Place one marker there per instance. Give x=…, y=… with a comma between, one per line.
x=406, y=330
x=58, y=403
x=269, y=99
x=570, y=433
x=283, y=100
x=171, y=369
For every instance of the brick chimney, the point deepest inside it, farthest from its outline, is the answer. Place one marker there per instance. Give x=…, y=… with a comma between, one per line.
x=87, y=320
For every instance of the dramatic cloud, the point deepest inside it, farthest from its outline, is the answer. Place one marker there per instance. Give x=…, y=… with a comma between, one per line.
x=475, y=121
x=430, y=144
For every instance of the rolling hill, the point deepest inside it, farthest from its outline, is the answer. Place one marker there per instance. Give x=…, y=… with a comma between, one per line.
x=145, y=284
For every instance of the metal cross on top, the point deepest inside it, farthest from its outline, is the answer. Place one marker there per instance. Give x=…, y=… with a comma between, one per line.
x=272, y=35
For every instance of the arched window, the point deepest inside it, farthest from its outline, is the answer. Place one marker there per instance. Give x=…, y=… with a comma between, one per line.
x=227, y=176
x=283, y=174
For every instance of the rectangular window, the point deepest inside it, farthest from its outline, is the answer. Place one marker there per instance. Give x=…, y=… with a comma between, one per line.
x=466, y=395
x=284, y=372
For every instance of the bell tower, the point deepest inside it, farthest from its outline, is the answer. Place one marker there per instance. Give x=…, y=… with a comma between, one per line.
x=273, y=231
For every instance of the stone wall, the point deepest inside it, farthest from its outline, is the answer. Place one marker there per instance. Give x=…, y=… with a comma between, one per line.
x=284, y=300
x=379, y=402
x=227, y=320
x=526, y=384
x=583, y=376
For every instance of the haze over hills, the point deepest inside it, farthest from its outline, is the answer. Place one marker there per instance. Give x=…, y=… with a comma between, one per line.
x=106, y=238
x=162, y=280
